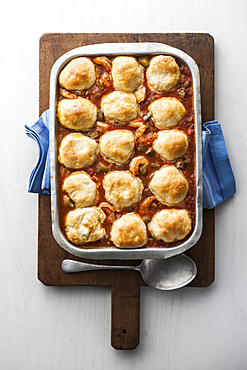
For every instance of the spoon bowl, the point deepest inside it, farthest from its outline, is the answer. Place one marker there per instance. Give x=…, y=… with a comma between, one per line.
x=164, y=274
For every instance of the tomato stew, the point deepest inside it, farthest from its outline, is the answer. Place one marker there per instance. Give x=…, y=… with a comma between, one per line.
x=143, y=146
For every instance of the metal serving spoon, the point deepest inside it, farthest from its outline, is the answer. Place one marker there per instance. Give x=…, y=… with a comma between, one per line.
x=165, y=274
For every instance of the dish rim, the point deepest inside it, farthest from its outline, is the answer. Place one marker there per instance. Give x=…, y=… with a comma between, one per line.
x=112, y=49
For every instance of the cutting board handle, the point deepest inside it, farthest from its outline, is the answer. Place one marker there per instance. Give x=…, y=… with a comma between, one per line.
x=125, y=315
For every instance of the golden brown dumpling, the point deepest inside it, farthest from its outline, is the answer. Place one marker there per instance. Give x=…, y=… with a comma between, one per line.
x=77, y=151
x=167, y=112
x=171, y=144
x=129, y=231
x=83, y=225
x=122, y=189
x=119, y=106
x=170, y=225
x=77, y=114
x=81, y=189
x=78, y=74
x=117, y=146
x=169, y=185
x=163, y=73
x=127, y=73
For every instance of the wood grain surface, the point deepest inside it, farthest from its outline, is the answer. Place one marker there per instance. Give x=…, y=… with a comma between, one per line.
x=125, y=284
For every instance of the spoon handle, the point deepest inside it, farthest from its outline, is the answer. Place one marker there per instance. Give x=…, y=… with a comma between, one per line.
x=70, y=266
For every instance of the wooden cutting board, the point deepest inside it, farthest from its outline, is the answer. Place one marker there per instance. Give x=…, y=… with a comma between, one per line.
x=125, y=308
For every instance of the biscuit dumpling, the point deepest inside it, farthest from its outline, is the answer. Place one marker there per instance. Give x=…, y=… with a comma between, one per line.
x=77, y=151
x=169, y=185
x=167, y=112
x=129, y=231
x=81, y=189
x=122, y=189
x=170, y=225
x=117, y=146
x=127, y=74
x=78, y=74
x=163, y=73
x=77, y=114
x=119, y=106
x=171, y=144
x=84, y=225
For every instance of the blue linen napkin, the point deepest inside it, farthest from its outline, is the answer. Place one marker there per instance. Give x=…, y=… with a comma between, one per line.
x=218, y=179
x=39, y=181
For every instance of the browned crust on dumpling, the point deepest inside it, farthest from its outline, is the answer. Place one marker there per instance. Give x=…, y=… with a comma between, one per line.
x=167, y=112
x=170, y=225
x=122, y=189
x=169, y=185
x=81, y=189
x=77, y=151
x=127, y=74
x=171, y=144
x=163, y=73
x=84, y=225
x=119, y=106
x=117, y=146
x=129, y=231
x=78, y=74
x=77, y=114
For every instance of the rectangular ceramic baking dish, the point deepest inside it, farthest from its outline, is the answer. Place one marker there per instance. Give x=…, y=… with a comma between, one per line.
x=111, y=49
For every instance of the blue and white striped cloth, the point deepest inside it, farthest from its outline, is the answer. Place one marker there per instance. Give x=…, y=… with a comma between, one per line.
x=218, y=178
